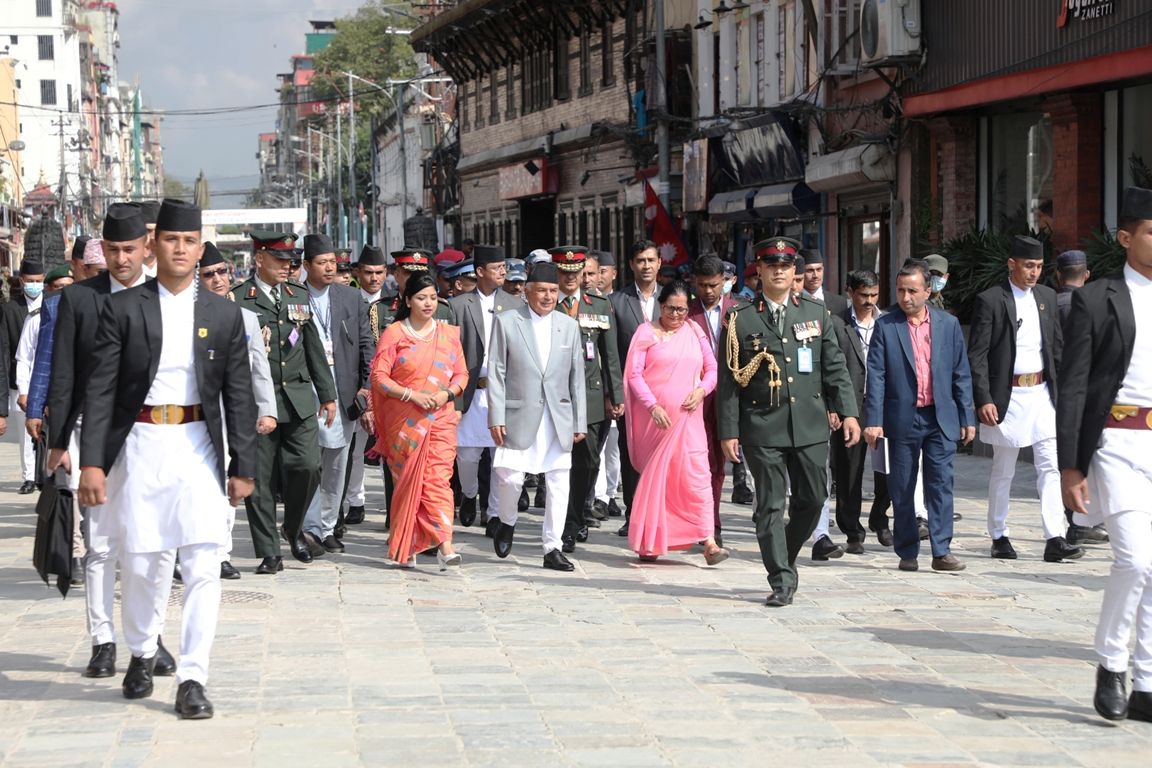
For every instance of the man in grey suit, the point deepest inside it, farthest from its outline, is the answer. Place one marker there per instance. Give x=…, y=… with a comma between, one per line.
x=536, y=408
x=341, y=318
x=634, y=305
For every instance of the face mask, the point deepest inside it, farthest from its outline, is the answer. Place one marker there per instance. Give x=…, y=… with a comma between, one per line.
x=32, y=290
x=936, y=283
x=728, y=286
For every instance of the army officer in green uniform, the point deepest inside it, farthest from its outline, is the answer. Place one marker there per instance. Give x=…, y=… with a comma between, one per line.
x=782, y=381
x=603, y=384
x=289, y=457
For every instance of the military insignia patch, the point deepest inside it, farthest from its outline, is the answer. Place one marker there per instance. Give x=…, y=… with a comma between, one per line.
x=202, y=333
x=266, y=334
x=299, y=313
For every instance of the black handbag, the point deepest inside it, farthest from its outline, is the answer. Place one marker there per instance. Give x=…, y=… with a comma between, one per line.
x=52, y=548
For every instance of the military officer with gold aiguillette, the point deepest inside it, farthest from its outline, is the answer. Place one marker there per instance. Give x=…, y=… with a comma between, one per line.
x=289, y=457
x=783, y=382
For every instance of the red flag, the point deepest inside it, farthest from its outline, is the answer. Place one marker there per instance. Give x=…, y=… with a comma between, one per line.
x=661, y=230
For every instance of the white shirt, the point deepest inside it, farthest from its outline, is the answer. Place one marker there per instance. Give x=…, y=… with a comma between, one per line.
x=818, y=294
x=26, y=347
x=542, y=330
x=647, y=304
x=1029, y=340
x=487, y=315
x=175, y=382
x=118, y=286
x=713, y=317
x=149, y=271
x=864, y=330
x=371, y=298
x=1136, y=389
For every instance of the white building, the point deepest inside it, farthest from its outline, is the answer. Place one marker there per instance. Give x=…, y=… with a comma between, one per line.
x=41, y=36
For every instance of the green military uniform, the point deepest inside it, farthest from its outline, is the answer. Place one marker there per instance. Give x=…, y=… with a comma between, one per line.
x=289, y=457
x=603, y=378
x=774, y=384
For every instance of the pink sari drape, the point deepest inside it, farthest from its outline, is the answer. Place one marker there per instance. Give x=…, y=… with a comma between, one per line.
x=672, y=508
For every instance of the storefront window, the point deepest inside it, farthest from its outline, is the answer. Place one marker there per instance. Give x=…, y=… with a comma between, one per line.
x=1020, y=167
x=1136, y=164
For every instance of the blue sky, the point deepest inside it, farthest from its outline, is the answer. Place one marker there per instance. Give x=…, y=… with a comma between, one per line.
x=215, y=53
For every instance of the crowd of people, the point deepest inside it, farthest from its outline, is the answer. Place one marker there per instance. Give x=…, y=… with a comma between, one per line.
x=470, y=377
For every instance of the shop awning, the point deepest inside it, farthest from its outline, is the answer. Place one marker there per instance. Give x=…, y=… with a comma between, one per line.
x=851, y=168
x=731, y=206
x=784, y=201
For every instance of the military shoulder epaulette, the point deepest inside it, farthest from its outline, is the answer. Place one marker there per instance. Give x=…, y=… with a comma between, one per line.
x=806, y=297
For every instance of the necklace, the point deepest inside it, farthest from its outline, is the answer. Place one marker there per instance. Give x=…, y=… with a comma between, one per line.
x=418, y=335
x=661, y=333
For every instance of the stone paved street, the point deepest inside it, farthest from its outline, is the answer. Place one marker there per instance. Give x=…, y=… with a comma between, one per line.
x=350, y=661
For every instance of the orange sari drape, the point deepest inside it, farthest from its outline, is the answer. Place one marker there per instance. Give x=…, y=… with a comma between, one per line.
x=419, y=447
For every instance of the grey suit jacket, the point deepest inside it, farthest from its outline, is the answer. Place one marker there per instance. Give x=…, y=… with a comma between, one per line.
x=263, y=387
x=353, y=346
x=518, y=387
x=470, y=318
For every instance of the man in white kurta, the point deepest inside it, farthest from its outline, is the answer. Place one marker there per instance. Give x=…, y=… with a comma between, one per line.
x=537, y=408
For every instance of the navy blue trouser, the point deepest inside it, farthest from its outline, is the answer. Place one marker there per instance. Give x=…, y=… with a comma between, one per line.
x=904, y=454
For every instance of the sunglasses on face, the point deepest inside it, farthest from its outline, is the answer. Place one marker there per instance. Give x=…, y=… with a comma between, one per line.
x=214, y=273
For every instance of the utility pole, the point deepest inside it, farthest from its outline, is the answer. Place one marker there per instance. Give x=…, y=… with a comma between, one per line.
x=660, y=103
x=399, y=104
x=354, y=209
x=63, y=178
x=341, y=234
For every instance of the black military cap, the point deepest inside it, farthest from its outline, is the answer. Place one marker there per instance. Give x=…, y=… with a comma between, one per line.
x=317, y=245
x=212, y=256
x=483, y=255
x=544, y=272
x=371, y=256
x=282, y=245
x=123, y=222
x=812, y=256
x=1137, y=204
x=78, y=247
x=178, y=216
x=776, y=250
x=1071, y=259
x=1027, y=249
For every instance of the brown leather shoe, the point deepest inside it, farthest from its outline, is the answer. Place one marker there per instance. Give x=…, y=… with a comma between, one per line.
x=909, y=565
x=948, y=563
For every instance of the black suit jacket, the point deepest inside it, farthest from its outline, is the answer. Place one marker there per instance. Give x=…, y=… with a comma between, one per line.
x=854, y=355
x=353, y=345
x=1101, y=337
x=13, y=313
x=629, y=316
x=470, y=319
x=130, y=339
x=837, y=305
x=74, y=355
x=992, y=344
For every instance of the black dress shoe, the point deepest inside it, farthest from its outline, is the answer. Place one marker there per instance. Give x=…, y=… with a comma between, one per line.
x=555, y=561
x=742, y=494
x=1057, y=549
x=1086, y=534
x=502, y=539
x=1140, y=706
x=581, y=534
x=138, y=679
x=591, y=522
x=522, y=503
x=538, y=502
x=300, y=549
x=613, y=509
x=228, y=571
x=826, y=549
x=163, y=663
x=1111, y=701
x=854, y=548
x=780, y=597
x=103, y=661
x=467, y=511
x=332, y=544
x=354, y=516
x=77, y=572
x=623, y=530
x=1002, y=549
x=568, y=544
x=599, y=510
x=191, y=703
x=313, y=543
x=922, y=528
x=491, y=527
x=270, y=565
x=340, y=531
x=176, y=575
x=884, y=536
x=27, y=488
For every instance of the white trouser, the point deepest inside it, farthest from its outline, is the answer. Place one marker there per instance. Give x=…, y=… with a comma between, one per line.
x=355, y=496
x=144, y=576
x=16, y=427
x=468, y=465
x=510, y=483
x=608, y=479
x=921, y=510
x=324, y=511
x=1128, y=597
x=100, y=574
x=822, y=523
x=1047, y=485
x=224, y=551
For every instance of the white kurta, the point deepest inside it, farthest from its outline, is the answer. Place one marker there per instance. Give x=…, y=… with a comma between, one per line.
x=472, y=431
x=545, y=454
x=163, y=488
x=1031, y=416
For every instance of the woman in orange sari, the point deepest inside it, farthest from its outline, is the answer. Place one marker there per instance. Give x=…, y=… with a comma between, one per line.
x=418, y=371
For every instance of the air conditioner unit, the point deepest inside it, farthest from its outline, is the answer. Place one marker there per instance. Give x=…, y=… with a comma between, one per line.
x=889, y=31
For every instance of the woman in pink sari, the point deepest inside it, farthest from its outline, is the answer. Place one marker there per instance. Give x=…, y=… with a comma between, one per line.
x=670, y=368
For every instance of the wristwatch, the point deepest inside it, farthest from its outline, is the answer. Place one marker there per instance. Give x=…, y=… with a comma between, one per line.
x=451, y=395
